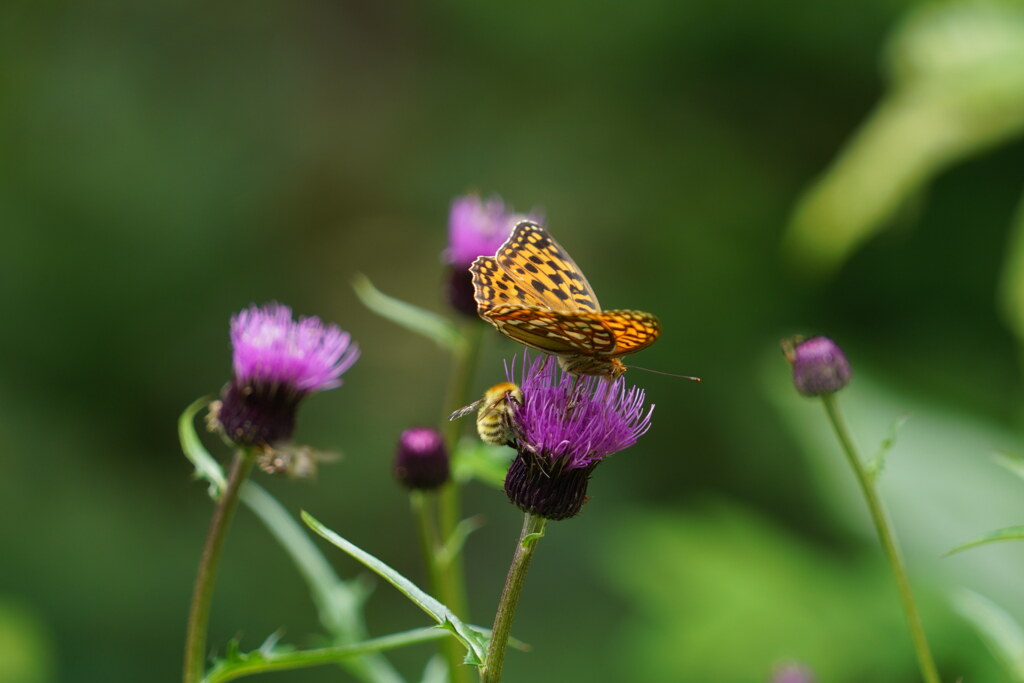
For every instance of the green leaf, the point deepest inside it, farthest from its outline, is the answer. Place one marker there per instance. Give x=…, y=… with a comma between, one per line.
x=206, y=467
x=877, y=463
x=285, y=658
x=1010, y=533
x=453, y=546
x=436, y=670
x=957, y=89
x=1012, y=461
x=473, y=640
x=421, y=321
x=475, y=459
x=1000, y=631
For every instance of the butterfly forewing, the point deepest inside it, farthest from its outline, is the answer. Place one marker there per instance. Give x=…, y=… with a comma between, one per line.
x=535, y=261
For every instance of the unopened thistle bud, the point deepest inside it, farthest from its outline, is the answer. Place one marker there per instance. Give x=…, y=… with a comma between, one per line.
x=819, y=365
x=421, y=459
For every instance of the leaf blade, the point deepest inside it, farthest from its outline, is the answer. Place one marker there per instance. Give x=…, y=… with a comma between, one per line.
x=470, y=638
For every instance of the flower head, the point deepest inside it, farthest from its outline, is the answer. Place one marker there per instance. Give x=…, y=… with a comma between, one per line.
x=475, y=228
x=277, y=362
x=421, y=460
x=819, y=365
x=565, y=427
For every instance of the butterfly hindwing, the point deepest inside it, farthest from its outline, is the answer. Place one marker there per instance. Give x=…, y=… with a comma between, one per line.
x=633, y=330
x=554, y=331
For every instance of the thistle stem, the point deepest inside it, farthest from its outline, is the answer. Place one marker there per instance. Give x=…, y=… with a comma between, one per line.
x=202, y=594
x=446, y=573
x=885, y=534
x=533, y=529
x=436, y=561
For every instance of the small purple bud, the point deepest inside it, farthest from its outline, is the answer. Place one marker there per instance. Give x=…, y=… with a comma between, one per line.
x=792, y=672
x=421, y=460
x=819, y=365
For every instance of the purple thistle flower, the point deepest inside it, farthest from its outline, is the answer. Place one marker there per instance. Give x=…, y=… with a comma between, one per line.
x=565, y=427
x=277, y=362
x=475, y=228
x=421, y=460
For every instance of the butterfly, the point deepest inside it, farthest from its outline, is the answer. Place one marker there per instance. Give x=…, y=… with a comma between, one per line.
x=534, y=293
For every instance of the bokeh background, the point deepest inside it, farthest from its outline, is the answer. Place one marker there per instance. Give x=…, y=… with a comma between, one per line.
x=744, y=170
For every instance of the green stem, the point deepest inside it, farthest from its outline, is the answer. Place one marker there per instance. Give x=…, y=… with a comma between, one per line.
x=885, y=534
x=430, y=544
x=533, y=529
x=450, y=580
x=464, y=361
x=255, y=663
x=441, y=580
x=202, y=594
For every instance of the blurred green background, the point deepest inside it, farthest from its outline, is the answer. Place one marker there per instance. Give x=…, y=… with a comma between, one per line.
x=744, y=170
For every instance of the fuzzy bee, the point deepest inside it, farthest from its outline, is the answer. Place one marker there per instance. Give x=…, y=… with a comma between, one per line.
x=497, y=408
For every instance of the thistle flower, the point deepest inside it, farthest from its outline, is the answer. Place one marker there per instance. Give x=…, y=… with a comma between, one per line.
x=421, y=460
x=278, y=362
x=819, y=365
x=566, y=426
x=475, y=228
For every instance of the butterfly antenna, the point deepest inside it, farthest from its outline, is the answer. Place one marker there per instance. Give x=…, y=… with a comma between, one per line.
x=666, y=374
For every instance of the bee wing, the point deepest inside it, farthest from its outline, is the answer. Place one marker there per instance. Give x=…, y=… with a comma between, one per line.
x=465, y=410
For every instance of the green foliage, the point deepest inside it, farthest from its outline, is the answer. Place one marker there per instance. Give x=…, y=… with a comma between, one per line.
x=1010, y=533
x=473, y=640
x=1001, y=632
x=437, y=328
x=723, y=595
x=274, y=657
x=475, y=459
x=26, y=649
x=957, y=87
x=206, y=467
x=877, y=463
x=339, y=603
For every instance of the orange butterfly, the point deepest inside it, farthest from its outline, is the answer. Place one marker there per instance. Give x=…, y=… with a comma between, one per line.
x=534, y=293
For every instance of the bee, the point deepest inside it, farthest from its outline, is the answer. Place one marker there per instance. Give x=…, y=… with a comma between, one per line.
x=494, y=419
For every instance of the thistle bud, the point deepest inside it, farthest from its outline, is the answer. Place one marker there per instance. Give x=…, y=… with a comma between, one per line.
x=421, y=460
x=819, y=365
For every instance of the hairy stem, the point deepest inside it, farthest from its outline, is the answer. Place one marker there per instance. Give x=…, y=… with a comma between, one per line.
x=885, y=534
x=202, y=594
x=448, y=578
x=533, y=529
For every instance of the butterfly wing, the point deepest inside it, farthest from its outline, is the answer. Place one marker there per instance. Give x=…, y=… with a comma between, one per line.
x=553, y=331
x=538, y=265
x=632, y=330
x=492, y=286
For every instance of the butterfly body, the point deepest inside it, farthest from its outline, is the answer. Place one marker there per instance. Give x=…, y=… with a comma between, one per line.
x=534, y=293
